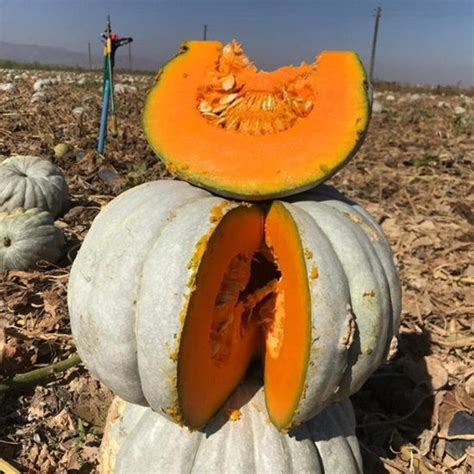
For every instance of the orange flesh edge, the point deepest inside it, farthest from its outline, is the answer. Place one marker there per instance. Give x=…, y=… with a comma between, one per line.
x=284, y=375
x=235, y=162
x=203, y=384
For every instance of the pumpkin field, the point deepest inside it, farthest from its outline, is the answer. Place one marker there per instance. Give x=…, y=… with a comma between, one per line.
x=413, y=173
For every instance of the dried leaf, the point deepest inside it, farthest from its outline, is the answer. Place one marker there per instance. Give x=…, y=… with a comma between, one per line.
x=436, y=371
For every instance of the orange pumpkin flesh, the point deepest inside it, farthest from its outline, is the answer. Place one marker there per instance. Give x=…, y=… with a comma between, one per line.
x=207, y=373
x=287, y=356
x=251, y=297
x=217, y=121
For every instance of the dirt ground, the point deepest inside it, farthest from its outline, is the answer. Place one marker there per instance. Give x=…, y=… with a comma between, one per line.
x=414, y=173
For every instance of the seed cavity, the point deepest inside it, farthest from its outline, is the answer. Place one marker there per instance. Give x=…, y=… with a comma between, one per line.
x=249, y=292
x=227, y=99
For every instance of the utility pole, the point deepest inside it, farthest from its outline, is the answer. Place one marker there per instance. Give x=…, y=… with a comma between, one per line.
x=378, y=11
x=90, y=55
x=205, y=33
x=129, y=56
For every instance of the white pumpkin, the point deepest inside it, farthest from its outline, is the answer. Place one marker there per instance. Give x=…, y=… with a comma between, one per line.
x=29, y=182
x=238, y=440
x=134, y=278
x=27, y=237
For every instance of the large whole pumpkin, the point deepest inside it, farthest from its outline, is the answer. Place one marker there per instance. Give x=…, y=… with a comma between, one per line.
x=238, y=440
x=29, y=182
x=175, y=291
x=217, y=121
x=27, y=237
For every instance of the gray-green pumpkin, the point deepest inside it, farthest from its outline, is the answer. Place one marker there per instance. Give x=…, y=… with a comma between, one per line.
x=175, y=291
x=28, y=237
x=238, y=440
x=29, y=182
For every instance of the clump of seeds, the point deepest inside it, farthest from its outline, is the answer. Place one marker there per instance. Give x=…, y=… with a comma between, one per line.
x=227, y=101
x=241, y=300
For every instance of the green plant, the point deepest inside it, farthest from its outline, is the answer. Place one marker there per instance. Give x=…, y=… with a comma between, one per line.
x=426, y=160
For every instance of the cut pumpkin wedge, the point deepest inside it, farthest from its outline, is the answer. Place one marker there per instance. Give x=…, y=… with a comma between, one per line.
x=251, y=300
x=288, y=341
x=217, y=121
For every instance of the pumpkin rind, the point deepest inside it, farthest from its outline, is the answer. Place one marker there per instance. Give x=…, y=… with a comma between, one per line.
x=133, y=278
x=248, y=444
x=27, y=237
x=249, y=167
x=122, y=418
x=32, y=182
x=109, y=271
x=379, y=241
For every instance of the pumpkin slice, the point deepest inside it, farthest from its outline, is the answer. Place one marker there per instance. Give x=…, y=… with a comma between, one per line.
x=249, y=292
x=289, y=336
x=217, y=344
x=217, y=121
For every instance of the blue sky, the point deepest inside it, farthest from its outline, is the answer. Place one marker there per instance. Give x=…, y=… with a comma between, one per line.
x=429, y=41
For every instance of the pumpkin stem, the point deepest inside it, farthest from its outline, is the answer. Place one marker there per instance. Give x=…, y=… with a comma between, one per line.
x=7, y=242
x=34, y=376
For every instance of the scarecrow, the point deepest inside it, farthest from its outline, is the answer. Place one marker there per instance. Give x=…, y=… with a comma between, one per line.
x=112, y=42
x=116, y=42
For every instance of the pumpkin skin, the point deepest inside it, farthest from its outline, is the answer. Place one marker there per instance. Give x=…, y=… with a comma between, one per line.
x=135, y=280
x=28, y=236
x=273, y=134
x=29, y=182
x=239, y=439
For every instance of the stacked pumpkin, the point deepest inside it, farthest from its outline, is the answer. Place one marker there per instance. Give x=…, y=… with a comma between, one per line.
x=178, y=295
x=33, y=192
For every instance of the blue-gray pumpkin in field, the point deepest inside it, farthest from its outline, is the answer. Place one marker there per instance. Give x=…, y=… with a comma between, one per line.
x=176, y=291
x=32, y=182
x=27, y=237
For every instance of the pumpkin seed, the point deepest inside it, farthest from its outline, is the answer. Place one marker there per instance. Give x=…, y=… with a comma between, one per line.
x=228, y=82
x=205, y=107
x=268, y=103
x=236, y=102
x=227, y=50
x=219, y=108
x=228, y=98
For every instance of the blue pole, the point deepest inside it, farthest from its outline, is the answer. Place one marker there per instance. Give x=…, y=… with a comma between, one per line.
x=103, y=117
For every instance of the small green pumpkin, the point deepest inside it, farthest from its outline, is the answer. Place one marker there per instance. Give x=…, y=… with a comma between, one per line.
x=29, y=182
x=239, y=439
x=27, y=237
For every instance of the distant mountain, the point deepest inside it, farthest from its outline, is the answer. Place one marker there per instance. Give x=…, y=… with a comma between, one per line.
x=30, y=53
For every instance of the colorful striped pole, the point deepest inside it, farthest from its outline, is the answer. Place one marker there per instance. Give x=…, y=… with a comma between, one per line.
x=113, y=117
x=107, y=93
x=112, y=42
x=103, y=117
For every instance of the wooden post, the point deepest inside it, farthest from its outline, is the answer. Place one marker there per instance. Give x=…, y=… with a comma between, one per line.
x=205, y=33
x=378, y=11
x=130, y=56
x=90, y=55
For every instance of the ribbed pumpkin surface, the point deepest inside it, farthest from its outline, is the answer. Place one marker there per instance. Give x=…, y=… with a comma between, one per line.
x=175, y=291
x=238, y=440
